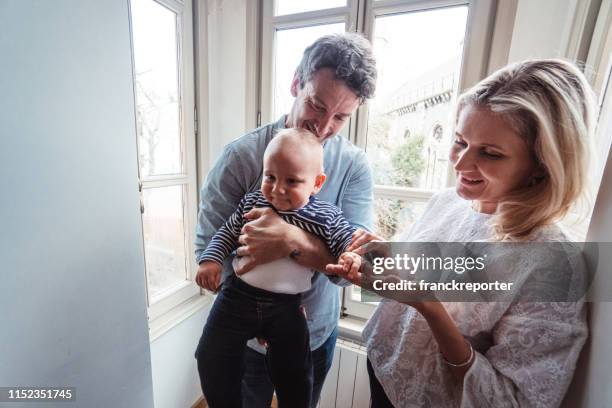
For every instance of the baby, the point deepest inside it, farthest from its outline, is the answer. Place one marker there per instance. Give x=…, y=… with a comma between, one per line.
x=265, y=302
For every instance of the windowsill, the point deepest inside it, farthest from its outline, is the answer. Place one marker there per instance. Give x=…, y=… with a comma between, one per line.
x=177, y=314
x=351, y=328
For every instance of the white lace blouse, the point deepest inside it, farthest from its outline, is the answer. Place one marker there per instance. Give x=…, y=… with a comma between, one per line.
x=525, y=352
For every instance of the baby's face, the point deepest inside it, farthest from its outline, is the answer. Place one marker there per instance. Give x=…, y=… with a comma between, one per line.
x=290, y=179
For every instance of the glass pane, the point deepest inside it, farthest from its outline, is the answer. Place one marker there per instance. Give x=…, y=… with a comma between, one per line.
x=409, y=134
x=394, y=217
x=355, y=294
x=290, y=45
x=164, y=237
x=157, y=88
x=282, y=7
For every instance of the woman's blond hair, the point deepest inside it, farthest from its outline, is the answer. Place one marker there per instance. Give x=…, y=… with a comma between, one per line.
x=549, y=103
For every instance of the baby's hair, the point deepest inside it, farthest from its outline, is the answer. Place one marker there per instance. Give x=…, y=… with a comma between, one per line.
x=302, y=141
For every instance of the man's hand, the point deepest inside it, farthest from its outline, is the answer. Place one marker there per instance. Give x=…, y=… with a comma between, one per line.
x=209, y=275
x=265, y=238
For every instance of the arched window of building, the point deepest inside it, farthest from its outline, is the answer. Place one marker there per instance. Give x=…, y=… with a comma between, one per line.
x=437, y=133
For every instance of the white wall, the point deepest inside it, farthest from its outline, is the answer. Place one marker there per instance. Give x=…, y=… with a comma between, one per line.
x=227, y=45
x=175, y=377
x=591, y=386
x=72, y=290
x=541, y=29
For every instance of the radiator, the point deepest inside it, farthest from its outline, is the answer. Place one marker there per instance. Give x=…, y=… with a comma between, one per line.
x=347, y=384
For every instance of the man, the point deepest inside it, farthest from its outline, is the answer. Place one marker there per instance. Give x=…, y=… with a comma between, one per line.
x=337, y=73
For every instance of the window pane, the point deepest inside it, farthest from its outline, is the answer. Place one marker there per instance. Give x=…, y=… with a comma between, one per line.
x=394, y=217
x=355, y=294
x=290, y=45
x=282, y=7
x=164, y=238
x=418, y=57
x=157, y=88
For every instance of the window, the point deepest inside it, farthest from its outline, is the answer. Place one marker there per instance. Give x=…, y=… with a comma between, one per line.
x=603, y=137
x=420, y=78
x=163, y=82
x=599, y=72
x=437, y=133
x=290, y=42
x=284, y=7
x=288, y=28
x=599, y=63
x=426, y=51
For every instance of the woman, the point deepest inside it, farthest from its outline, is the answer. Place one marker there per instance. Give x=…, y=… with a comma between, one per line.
x=520, y=155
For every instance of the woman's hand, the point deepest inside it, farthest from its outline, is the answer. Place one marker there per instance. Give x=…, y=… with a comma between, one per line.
x=360, y=238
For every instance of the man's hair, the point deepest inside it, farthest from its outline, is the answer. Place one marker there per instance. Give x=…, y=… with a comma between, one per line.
x=551, y=105
x=348, y=55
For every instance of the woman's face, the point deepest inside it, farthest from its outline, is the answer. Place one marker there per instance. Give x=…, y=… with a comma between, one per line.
x=489, y=158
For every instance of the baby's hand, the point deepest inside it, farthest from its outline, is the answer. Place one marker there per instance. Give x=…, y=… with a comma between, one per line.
x=209, y=275
x=348, y=267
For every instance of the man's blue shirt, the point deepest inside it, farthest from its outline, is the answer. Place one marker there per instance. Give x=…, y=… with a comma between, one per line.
x=239, y=171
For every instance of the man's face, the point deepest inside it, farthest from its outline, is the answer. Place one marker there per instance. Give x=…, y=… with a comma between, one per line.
x=323, y=106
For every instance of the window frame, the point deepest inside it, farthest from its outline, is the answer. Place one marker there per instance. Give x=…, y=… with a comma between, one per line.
x=359, y=16
x=271, y=23
x=590, y=39
x=181, y=300
x=599, y=59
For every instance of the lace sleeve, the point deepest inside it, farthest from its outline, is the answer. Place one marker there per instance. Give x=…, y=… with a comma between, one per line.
x=536, y=346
